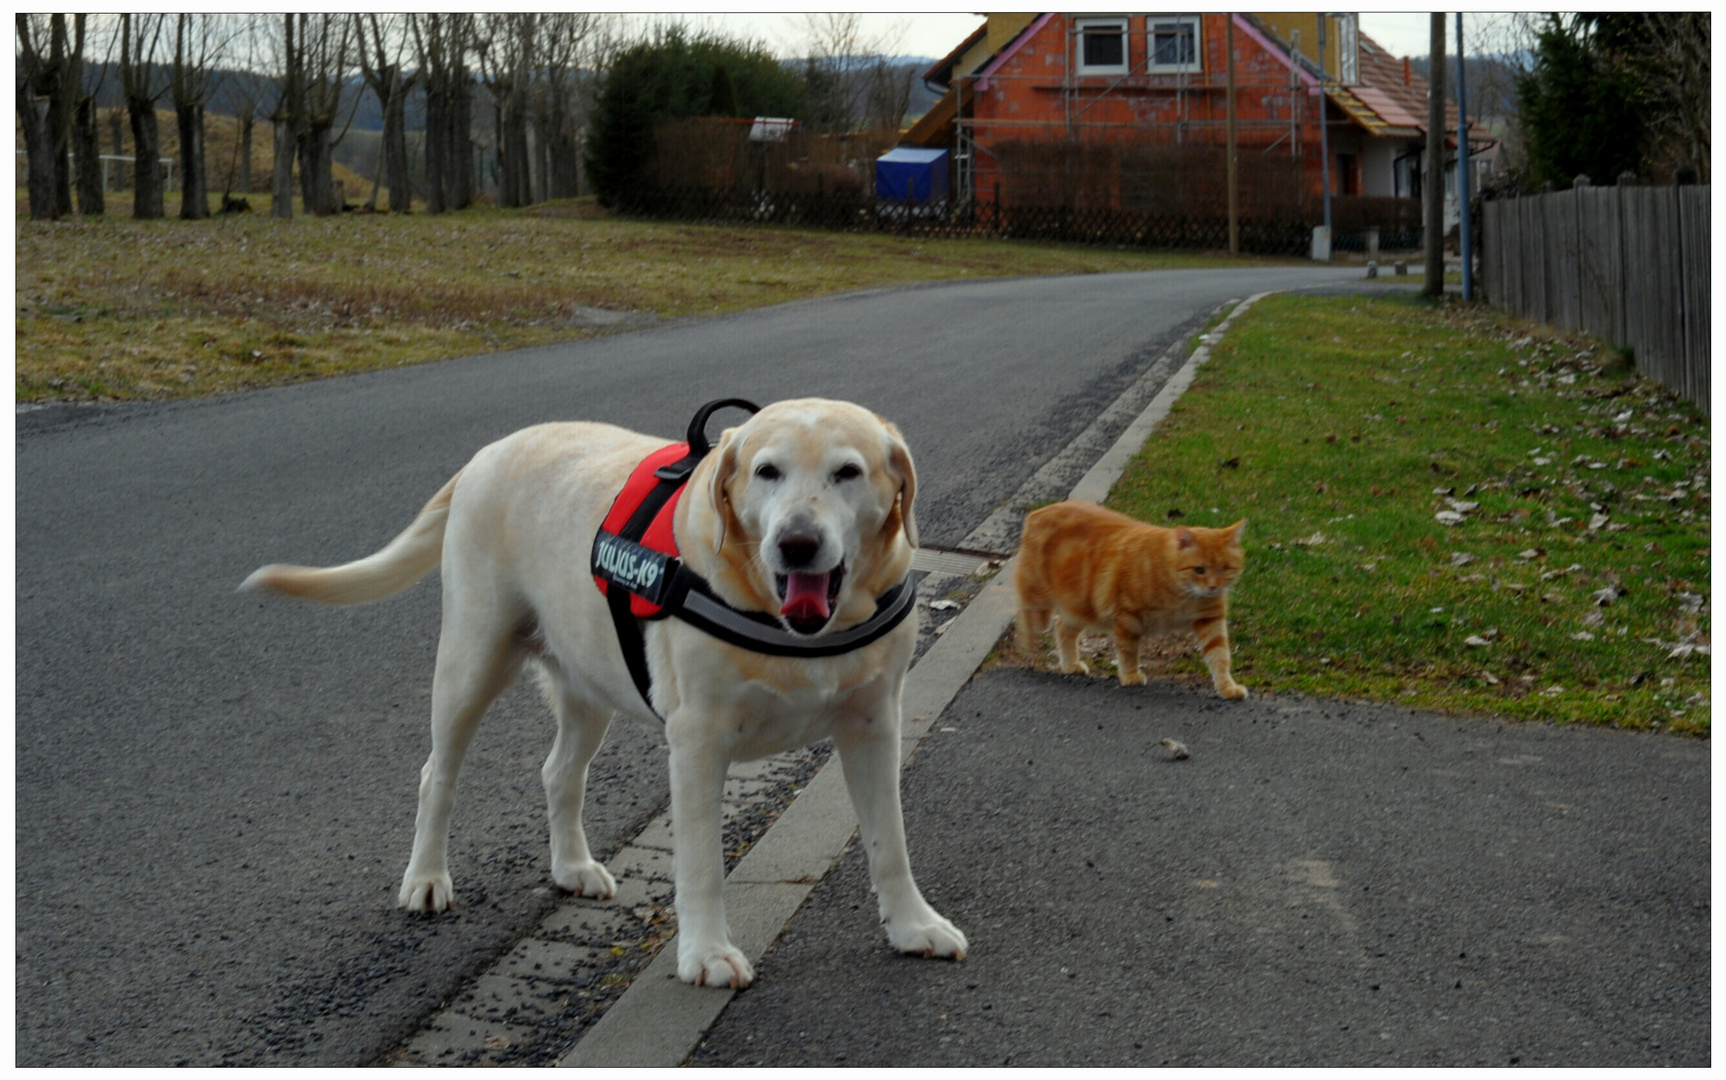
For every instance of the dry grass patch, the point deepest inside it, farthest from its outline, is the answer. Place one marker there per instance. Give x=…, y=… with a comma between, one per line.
x=111, y=308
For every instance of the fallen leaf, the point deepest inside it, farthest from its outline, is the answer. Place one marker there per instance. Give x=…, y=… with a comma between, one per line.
x=1462, y=558
x=1582, y=635
x=1476, y=641
x=1603, y=597
x=943, y=605
x=1449, y=517
x=1462, y=507
x=1177, y=751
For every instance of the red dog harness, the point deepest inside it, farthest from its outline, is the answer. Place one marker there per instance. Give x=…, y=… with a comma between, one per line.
x=637, y=567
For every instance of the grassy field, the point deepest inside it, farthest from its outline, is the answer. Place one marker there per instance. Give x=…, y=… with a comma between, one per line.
x=1447, y=509
x=114, y=309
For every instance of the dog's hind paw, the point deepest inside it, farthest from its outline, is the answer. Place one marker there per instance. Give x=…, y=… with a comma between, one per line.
x=714, y=965
x=930, y=935
x=585, y=879
x=427, y=894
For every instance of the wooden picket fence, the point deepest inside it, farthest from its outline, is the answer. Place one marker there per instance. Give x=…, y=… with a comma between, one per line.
x=856, y=212
x=1627, y=264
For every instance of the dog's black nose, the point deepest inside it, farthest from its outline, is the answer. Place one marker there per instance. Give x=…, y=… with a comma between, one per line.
x=799, y=550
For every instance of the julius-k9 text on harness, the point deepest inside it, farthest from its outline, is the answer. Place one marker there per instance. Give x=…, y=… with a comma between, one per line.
x=636, y=565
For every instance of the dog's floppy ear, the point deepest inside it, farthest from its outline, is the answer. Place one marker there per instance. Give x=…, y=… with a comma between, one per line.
x=904, y=471
x=725, y=464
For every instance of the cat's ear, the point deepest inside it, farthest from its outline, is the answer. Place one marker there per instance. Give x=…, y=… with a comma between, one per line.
x=1184, y=538
x=904, y=471
x=1237, y=530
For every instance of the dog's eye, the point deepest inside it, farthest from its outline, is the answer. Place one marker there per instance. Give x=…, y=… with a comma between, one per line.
x=847, y=472
x=767, y=472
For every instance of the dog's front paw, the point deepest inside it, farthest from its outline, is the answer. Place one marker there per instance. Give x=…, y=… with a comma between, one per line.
x=714, y=965
x=426, y=894
x=928, y=935
x=585, y=879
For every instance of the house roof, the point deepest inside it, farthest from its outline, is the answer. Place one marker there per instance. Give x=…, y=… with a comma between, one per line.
x=942, y=71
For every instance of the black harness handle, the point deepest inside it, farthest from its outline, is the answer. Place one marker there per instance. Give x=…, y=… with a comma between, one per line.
x=678, y=471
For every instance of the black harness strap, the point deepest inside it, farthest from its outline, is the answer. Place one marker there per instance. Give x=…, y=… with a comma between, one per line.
x=671, y=477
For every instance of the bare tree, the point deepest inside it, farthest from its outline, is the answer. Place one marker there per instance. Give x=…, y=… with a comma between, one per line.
x=324, y=44
x=381, y=61
x=47, y=79
x=199, y=43
x=87, y=138
x=285, y=121
x=888, y=98
x=243, y=90
x=142, y=79
x=507, y=47
x=1675, y=64
x=441, y=45
x=842, y=58
x=567, y=43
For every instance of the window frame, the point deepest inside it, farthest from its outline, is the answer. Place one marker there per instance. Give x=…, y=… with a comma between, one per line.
x=1080, y=25
x=1196, y=67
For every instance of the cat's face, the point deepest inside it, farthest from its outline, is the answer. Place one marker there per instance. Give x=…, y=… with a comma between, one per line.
x=1207, y=561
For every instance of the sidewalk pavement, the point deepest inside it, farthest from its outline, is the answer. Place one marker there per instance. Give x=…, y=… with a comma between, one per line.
x=1319, y=884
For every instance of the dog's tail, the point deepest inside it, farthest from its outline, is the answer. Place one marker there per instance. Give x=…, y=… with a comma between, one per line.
x=400, y=563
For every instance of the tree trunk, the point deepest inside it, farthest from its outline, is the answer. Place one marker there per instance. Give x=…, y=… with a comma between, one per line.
x=282, y=176
x=146, y=148
x=194, y=185
x=39, y=152
x=316, y=183
x=395, y=150
x=63, y=180
x=87, y=145
x=435, y=138
x=459, y=146
x=246, y=127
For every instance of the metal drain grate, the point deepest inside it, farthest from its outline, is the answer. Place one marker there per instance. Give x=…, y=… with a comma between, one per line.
x=937, y=561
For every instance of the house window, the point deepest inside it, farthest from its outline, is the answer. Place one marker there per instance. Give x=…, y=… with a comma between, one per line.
x=1174, y=43
x=1102, y=46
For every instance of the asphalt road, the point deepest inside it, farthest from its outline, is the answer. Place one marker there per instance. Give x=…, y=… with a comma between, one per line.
x=215, y=792
x=1318, y=884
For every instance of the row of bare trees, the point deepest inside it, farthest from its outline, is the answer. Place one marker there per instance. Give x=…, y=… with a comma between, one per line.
x=529, y=78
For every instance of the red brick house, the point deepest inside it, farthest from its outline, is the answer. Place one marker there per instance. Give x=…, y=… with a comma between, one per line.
x=1149, y=92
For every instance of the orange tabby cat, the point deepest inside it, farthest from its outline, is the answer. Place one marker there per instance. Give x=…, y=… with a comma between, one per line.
x=1103, y=571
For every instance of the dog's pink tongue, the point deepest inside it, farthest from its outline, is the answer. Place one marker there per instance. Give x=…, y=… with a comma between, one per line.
x=805, y=596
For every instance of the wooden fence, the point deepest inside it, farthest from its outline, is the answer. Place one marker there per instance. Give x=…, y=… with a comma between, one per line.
x=1627, y=264
x=854, y=212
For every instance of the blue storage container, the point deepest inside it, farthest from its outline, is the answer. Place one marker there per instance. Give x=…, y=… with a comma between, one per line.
x=903, y=173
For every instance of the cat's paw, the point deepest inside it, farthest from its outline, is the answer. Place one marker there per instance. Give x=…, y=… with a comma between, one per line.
x=1137, y=678
x=1077, y=667
x=1233, y=691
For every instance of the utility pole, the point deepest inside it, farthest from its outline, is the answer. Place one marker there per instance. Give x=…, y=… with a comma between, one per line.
x=1463, y=173
x=1435, y=161
x=1234, y=185
x=1324, y=118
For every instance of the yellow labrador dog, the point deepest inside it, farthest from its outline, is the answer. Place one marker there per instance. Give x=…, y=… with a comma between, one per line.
x=801, y=517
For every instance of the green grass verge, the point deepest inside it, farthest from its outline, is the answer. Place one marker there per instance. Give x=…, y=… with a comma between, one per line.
x=117, y=309
x=1574, y=587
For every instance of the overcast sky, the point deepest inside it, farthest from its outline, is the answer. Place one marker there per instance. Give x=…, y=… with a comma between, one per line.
x=935, y=35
